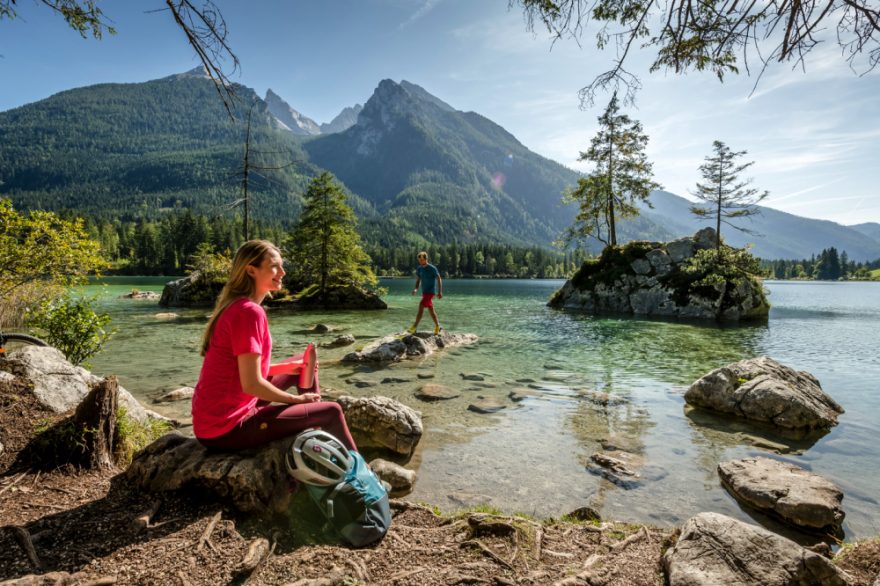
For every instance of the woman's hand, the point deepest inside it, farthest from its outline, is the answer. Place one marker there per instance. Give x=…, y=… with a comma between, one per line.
x=306, y=398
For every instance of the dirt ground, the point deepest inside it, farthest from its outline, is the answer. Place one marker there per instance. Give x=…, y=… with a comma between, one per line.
x=91, y=528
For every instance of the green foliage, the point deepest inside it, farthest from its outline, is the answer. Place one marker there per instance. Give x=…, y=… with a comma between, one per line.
x=613, y=263
x=209, y=266
x=41, y=255
x=73, y=326
x=621, y=178
x=710, y=272
x=479, y=260
x=83, y=16
x=142, y=151
x=133, y=436
x=325, y=249
x=42, y=247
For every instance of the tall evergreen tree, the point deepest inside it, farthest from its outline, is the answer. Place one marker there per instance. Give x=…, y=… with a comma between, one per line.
x=620, y=180
x=725, y=196
x=324, y=247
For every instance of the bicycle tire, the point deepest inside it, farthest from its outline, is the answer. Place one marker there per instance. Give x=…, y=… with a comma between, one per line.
x=25, y=339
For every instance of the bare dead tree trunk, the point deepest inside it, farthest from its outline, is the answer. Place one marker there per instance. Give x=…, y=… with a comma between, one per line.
x=95, y=422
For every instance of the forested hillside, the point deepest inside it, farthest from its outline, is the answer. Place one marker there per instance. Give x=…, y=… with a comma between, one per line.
x=136, y=150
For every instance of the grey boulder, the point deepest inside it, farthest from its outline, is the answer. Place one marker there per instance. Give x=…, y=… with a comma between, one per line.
x=762, y=389
x=60, y=386
x=382, y=422
x=253, y=481
x=714, y=549
x=795, y=495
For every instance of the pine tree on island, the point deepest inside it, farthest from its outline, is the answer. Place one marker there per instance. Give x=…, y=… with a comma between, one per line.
x=324, y=248
x=620, y=180
x=725, y=195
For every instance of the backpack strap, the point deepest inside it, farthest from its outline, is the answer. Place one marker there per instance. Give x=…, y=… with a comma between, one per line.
x=328, y=500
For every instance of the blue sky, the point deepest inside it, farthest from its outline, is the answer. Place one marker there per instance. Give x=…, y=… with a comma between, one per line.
x=814, y=136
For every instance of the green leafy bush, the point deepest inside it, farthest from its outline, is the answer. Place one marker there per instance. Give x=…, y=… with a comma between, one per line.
x=73, y=326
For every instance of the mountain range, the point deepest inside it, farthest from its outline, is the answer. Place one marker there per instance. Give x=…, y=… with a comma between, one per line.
x=416, y=170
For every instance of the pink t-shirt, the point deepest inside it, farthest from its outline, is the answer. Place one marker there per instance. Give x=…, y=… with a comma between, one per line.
x=219, y=403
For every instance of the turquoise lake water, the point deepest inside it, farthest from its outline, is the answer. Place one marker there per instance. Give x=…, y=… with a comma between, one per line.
x=532, y=457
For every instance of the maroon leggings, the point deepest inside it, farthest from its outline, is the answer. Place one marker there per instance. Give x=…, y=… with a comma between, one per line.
x=273, y=421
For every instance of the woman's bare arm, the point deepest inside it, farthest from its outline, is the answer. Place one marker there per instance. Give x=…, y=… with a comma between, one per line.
x=253, y=383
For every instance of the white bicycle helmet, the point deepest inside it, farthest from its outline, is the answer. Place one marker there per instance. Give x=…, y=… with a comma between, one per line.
x=318, y=458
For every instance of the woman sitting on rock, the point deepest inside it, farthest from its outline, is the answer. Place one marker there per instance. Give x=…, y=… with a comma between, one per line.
x=236, y=405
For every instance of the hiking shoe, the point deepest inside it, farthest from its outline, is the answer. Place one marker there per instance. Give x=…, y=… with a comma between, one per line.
x=411, y=329
x=437, y=330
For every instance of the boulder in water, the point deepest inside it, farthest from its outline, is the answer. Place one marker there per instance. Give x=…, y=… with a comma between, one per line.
x=397, y=347
x=762, y=389
x=797, y=496
x=382, y=422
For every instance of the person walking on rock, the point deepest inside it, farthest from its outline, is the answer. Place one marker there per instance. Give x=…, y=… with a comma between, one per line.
x=428, y=277
x=240, y=401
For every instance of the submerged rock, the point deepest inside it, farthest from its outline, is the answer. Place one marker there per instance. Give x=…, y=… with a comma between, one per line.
x=762, y=389
x=797, y=496
x=344, y=340
x=658, y=279
x=181, y=394
x=486, y=405
x=398, y=347
x=716, y=549
x=143, y=295
x=618, y=467
x=432, y=392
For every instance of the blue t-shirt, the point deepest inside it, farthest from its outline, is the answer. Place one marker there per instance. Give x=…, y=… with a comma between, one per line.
x=428, y=275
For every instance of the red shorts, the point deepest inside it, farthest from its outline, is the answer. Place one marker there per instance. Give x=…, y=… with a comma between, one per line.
x=427, y=300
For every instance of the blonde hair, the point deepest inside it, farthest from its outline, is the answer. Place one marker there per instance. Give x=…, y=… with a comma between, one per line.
x=239, y=284
x=422, y=254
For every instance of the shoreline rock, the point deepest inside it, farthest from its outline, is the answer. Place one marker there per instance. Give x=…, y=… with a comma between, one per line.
x=717, y=549
x=382, y=422
x=59, y=386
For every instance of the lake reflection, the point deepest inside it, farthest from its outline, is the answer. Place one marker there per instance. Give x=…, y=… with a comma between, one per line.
x=532, y=456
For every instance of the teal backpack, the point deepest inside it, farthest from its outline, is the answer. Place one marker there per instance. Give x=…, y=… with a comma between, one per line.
x=339, y=481
x=357, y=508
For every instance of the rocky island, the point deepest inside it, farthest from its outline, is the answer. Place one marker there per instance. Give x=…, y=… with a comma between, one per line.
x=675, y=279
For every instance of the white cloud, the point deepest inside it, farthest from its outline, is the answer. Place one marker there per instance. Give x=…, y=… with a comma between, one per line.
x=426, y=7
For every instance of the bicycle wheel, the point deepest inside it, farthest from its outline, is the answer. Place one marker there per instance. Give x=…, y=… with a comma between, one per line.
x=12, y=342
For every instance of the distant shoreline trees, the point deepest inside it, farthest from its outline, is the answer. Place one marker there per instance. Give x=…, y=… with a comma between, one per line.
x=828, y=265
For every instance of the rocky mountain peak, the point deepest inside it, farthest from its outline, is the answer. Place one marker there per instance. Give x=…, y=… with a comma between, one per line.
x=343, y=121
x=293, y=120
